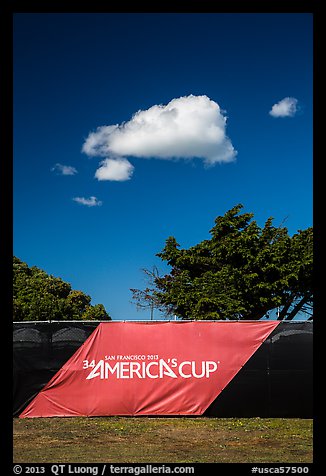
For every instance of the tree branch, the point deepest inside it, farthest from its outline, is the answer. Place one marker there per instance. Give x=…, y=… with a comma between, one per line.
x=297, y=308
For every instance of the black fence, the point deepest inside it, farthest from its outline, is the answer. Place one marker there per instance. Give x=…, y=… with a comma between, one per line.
x=275, y=382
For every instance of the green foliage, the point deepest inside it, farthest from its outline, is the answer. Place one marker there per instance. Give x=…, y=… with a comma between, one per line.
x=242, y=272
x=96, y=312
x=38, y=296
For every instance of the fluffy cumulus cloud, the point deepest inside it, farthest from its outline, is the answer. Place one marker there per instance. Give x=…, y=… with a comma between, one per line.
x=118, y=170
x=89, y=202
x=187, y=127
x=64, y=169
x=287, y=107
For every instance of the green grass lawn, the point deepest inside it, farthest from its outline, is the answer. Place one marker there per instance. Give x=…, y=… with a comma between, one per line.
x=162, y=440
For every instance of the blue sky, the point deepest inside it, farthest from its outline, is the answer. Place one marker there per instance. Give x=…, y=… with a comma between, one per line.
x=248, y=77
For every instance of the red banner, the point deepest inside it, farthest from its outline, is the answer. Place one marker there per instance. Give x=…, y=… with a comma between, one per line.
x=165, y=368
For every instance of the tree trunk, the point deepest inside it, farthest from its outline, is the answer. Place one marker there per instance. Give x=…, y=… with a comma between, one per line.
x=284, y=310
x=297, y=308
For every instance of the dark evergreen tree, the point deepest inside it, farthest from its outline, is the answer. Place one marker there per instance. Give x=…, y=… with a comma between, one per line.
x=242, y=272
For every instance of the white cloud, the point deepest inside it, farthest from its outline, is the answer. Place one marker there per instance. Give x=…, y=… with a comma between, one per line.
x=64, y=169
x=287, y=107
x=187, y=127
x=119, y=170
x=89, y=202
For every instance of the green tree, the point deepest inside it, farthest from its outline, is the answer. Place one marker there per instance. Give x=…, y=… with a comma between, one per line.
x=242, y=272
x=38, y=296
x=96, y=313
x=77, y=303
